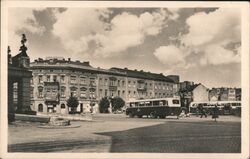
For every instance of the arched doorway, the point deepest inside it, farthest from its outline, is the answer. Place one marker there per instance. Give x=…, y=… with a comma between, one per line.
x=63, y=108
x=40, y=108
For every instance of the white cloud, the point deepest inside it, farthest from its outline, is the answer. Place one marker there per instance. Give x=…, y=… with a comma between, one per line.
x=207, y=36
x=111, y=36
x=174, y=13
x=220, y=25
x=169, y=55
x=21, y=20
x=210, y=32
x=216, y=54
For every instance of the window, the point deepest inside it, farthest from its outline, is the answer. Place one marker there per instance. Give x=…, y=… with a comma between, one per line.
x=118, y=83
x=83, y=80
x=156, y=103
x=123, y=83
x=63, y=106
x=175, y=101
x=92, y=81
x=54, y=78
x=63, y=79
x=112, y=83
x=40, y=108
x=63, y=92
x=106, y=82
x=48, y=78
x=163, y=103
x=40, y=79
x=83, y=92
x=73, y=91
x=100, y=80
x=129, y=83
x=118, y=93
x=72, y=79
x=40, y=92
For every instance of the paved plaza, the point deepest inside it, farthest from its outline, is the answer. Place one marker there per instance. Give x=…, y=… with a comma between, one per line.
x=118, y=133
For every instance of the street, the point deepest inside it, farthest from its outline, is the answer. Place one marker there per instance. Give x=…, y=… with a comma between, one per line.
x=118, y=133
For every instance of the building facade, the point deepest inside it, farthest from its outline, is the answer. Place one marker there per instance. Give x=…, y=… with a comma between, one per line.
x=225, y=94
x=200, y=93
x=56, y=79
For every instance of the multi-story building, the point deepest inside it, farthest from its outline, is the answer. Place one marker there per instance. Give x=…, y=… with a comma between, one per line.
x=190, y=92
x=225, y=94
x=56, y=79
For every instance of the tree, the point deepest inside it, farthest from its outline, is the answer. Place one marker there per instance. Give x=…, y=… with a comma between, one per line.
x=72, y=102
x=117, y=103
x=104, y=105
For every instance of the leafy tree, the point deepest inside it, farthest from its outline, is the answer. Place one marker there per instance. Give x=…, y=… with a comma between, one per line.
x=73, y=102
x=104, y=105
x=117, y=103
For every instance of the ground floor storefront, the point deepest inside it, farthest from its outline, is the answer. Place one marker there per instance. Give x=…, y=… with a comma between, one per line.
x=42, y=107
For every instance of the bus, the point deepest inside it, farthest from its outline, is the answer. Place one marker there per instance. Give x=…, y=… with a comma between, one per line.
x=225, y=107
x=160, y=107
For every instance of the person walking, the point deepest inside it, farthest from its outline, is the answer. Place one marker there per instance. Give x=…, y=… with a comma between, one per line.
x=203, y=112
x=215, y=113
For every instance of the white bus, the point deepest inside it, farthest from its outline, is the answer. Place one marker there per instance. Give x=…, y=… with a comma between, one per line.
x=159, y=107
x=225, y=107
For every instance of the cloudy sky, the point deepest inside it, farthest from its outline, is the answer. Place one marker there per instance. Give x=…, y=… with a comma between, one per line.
x=201, y=45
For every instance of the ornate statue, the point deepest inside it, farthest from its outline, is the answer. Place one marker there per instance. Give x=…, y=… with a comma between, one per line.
x=23, y=48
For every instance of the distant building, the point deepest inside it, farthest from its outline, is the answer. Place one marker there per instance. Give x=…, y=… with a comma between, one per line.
x=190, y=92
x=56, y=79
x=200, y=93
x=225, y=94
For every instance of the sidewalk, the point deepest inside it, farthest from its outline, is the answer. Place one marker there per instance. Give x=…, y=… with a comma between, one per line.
x=224, y=118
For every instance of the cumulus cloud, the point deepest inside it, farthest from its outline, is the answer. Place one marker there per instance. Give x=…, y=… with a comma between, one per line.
x=110, y=36
x=208, y=34
x=211, y=32
x=218, y=26
x=22, y=20
x=169, y=55
x=174, y=13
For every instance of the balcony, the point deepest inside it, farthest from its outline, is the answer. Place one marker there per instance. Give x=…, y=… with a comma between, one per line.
x=113, y=88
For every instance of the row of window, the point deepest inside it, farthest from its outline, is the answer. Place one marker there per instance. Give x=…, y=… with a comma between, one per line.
x=83, y=81
x=92, y=93
x=73, y=79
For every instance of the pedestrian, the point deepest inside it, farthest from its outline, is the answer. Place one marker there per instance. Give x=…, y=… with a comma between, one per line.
x=203, y=112
x=215, y=113
x=198, y=110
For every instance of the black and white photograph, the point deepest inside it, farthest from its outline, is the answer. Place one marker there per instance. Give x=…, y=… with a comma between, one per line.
x=124, y=79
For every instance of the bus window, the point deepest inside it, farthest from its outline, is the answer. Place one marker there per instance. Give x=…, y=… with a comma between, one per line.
x=132, y=104
x=175, y=101
x=148, y=103
x=162, y=103
x=136, y=104
x=234, y=104
x=141, y=104
x=155, y=103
